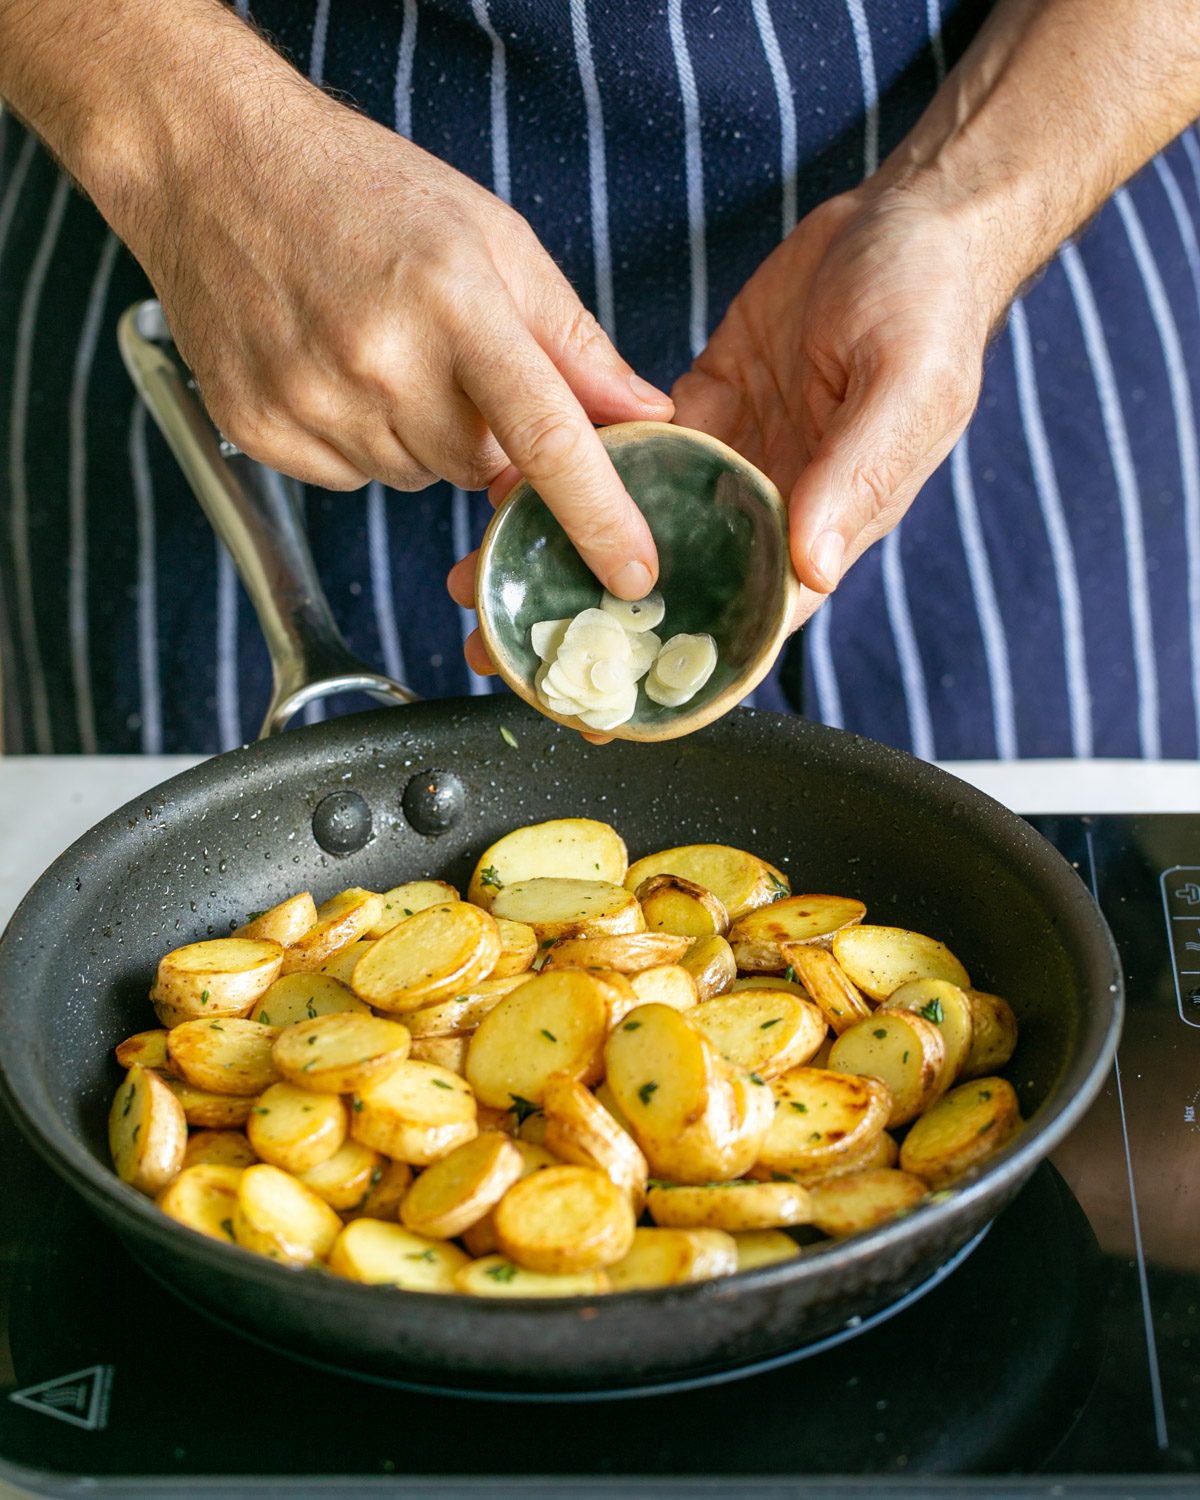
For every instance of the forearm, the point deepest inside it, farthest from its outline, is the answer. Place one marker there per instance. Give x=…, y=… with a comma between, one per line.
x=1052, y=107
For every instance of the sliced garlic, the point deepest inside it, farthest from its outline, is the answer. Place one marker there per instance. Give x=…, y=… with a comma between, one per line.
x=686, y=661
x=644, y=648
x=547, y=636
x=612, y=718
x=635, y=614
x=609, y=677
x=667, y=697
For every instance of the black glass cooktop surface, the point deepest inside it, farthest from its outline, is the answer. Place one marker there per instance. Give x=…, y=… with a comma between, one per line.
x=1062, y=1356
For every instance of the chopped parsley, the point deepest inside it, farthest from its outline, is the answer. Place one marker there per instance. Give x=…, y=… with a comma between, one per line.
x=547, y=943
x=880, y=1032
x=215, y=1026
x=774, y=1021
x=549, y=1035
x=203, y=997
x=508, y=737
x=801, y=1109
x=227, y=1226
x=502, y=1271
x=264, y=1019
x=790, y=975
x=646, y=1090
x=310, y=1009
x=421, y=1255
x=754, y=1078
x=778, y=889
x=904, y=1059
x=933, y=1012
x=490, y=877
x=129, y=1098
x=631, y=1026
x=355, y=1103
x=440, y=1083
x=985, y=1094
x=983, y=1129
x=523, y=1108
x=312, y=1041
x=260, y=1109
x=407, y=910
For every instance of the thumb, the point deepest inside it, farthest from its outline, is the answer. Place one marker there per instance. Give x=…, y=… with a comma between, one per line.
x=878, y=451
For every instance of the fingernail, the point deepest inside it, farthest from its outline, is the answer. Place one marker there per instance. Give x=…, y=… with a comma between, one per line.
x=826, y=556
x=631, y=581
x=647, y=394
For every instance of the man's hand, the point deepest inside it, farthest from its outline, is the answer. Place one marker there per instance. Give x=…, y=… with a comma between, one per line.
x=351, y=307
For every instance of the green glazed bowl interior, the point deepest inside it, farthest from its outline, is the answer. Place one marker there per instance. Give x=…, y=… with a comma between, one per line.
x=721, y=533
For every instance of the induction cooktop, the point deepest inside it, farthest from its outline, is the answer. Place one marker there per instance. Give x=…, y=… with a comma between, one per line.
x=1058, y=1355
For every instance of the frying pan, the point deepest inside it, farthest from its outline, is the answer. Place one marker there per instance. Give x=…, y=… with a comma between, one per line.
x=376, y=798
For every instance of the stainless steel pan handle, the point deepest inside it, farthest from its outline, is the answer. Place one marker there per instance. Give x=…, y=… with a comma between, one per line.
x=257, y=514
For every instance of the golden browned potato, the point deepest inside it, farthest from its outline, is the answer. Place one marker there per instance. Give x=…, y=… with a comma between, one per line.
x=564, y=1219
x=740, y=881
x=758, y=938
x=901, y=1048
x=448, y=1052
x=518, y=949
x=762, y=1031
x=964, y=1128
x=346, y=1178
x=881, y=1151
x=294, y=1129
x=340, y=1054
x=209, y=1111
x=436, y=954
x=826, y=981
x=848, y=1205
x=948, y=1008
x=557, y=908
x=277, y=1216
x=147, y=1132
x=218, y=977
x=146, y=1047
x=623, y=953
x=480, y=1237
x=496, y=1276
x=665, y=984
x=384, y=1195
x=563, y=848
x=769, y=982
x=880, y=959
x=416, y=1113
x=711, y=964
x=204, y=1197
x=763, y=1247
x=284, y=924
x=407, y=900
x=223, y=1055
x=554, y=1023
x=342, y=920
x=669, y=1257
x=670, y=903
x=462, y=1014
x=457, y=1191
x=736, y=1205
x=821, y=1117
x=993, y=1034
x=219, y=1148
x=580, y=1130
x=388, y=1255
x=344, y=962
x=170, y=1015
x=304, y=997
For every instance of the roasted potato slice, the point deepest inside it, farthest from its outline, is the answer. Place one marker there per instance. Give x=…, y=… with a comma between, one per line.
x=580, y=1130
x=304, y=997
x=669, y=1257
x=415, y=1113
x=948, y=1008
x=439, y=953
x=384, y=1254
x=557, y=908
x=277, y=1216
x=757, y=939
x=901, y=1048
x=347, y=1177
x=149, y=1048
x=343, y=963
x=828, y=985
x=480, y=1238
x=665, y=984
x=732, y=1206
x=964, y=1128
x=848, y=1205
x=670, y=903
x=763, y=1247
x=147, y=1131
x=285, y=923
x=340, y=1054
x=295, y=1129
x=457, y=1191
x=218, y=977
x=822, y=1117
x=496, y=1276
x=204, y=1197
x=519, y=948
x=627, y=953
x=769, y=982
x=880, y=959
x=219, y=1148
x=170, y=1015
x=565, y=1219
x=993, y=1034
x=554, y=1023
x=762, y=1031
x=342, y=920
x=711, y=964
x=882, y=1151
x=208, y=1110
x=449, y=1052
x=462, y=1014
x=384, y=1195
x=564, y=848
x=407, y=900
x=740, y=881
x=223, y=1055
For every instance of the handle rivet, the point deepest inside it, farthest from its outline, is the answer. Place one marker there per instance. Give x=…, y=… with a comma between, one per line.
x=341, y=822
x=434, y=801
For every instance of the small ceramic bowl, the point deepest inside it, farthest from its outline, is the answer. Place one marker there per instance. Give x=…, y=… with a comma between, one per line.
x=721, y=532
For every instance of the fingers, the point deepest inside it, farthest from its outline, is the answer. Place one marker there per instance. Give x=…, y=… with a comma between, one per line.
x=477, y=658
x=547, y=435
x=500, y=486
x=460, y=581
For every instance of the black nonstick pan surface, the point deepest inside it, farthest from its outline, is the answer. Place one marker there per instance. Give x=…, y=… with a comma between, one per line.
x=381, y=797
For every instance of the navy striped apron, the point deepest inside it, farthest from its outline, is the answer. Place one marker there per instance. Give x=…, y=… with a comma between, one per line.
x=1043, y=595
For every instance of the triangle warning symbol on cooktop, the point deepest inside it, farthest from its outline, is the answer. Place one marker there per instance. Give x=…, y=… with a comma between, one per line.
x=80, y=1398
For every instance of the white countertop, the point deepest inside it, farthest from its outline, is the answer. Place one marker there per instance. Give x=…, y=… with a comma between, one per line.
x=46, y=802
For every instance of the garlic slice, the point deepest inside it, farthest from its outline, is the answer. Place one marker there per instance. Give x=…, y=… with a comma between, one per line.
x=686, y=661
x=635, y=615
x=547, y=636
x=644, y=648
